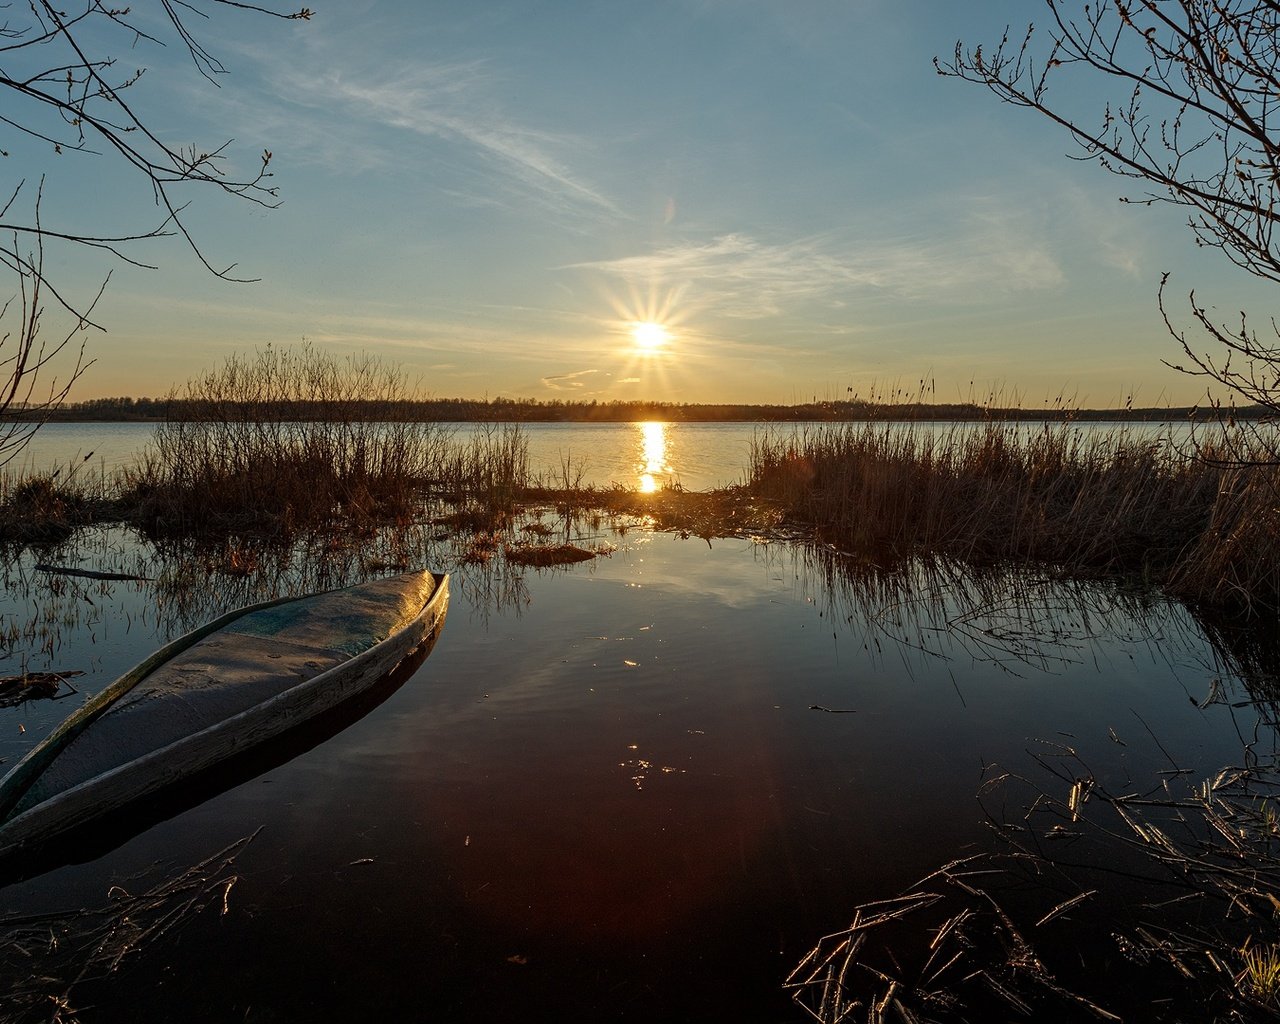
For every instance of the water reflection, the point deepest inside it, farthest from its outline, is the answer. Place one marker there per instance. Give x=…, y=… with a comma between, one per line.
x=1025, y=621
x=630, y=786
x=653, y=456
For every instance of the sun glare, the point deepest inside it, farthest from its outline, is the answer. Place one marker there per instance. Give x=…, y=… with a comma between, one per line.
x=653, y=456
x=649, y=336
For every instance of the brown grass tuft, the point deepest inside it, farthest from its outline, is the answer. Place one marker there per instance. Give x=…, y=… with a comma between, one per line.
x=547, y=554
x=283, y=441
x=1087, y=500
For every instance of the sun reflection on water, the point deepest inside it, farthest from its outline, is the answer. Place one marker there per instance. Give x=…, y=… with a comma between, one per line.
x=653, y=456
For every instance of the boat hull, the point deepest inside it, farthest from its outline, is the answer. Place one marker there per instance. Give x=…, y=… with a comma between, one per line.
x=33, y=822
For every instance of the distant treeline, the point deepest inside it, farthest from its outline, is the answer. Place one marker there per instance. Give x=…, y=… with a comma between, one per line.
x=532, y=410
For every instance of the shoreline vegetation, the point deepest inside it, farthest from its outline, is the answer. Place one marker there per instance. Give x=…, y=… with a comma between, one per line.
x=875, y=408
x=1200, y=524
x=287, y=443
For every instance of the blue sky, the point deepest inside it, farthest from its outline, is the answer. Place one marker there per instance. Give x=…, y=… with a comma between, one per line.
x=492, y=194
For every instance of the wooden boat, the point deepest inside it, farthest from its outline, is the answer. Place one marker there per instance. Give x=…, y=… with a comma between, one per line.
x=234, y=683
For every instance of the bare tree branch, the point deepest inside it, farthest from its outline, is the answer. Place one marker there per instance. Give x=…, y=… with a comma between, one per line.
x=68, y=96
x=1197, y=123
x=27, y=392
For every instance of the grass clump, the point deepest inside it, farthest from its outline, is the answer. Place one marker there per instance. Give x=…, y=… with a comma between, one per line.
x=543, y=555
x=47, y=508
x=1083, y=499
x=1260, y=976
x=281, y=441
x=37, y=511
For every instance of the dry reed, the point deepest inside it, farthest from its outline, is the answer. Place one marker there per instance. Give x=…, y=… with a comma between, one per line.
x=282, y=441
x=1084, y=499
x=48, y=507
x=545, y=555
x=489, y=472
x=50, y=958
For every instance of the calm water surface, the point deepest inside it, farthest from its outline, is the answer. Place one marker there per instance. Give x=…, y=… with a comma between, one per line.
x=697, y=456
x=607, y=793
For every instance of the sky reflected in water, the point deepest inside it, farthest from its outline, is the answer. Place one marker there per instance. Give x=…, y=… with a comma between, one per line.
x=646, y=787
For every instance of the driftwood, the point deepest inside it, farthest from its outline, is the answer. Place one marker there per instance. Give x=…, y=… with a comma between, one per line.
x=92, y=574
x=19, y=689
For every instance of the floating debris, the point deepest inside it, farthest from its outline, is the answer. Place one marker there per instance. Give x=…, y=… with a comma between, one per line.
x=19, y=689
x=88, y=944
x=92, y=574
x=548, y=554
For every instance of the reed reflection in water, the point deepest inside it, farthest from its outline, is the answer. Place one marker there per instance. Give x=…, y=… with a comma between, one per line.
x=640, y=788
x=653, y=464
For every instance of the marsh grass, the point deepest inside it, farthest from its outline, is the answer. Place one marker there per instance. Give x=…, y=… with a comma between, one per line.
x=42, y=508
x=288, y=443
x=1087, y=500
x=281, y=442
x=488, y=472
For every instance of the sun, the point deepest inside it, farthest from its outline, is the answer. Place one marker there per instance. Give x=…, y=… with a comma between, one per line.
x=649, y=336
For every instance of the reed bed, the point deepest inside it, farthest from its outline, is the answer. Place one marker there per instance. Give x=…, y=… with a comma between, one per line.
x=253, y=478
x=290, y=442
x=283, y=441
x=489, y=472
x=1205, y=526
x=47, y=508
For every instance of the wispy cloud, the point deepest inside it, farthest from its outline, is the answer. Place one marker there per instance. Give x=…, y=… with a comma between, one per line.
x=742, y=276
x=1119, y=242
x=449, y=103
x=568, y=381
x=737, y=275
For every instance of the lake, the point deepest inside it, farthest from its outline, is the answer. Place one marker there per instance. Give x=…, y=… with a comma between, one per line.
x=697, y=456
x=639, y=788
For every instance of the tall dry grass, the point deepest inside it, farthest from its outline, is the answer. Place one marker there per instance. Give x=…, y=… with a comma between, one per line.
x=1205, y=527
x=283, y=440
x=490, y=469
x=48, y=507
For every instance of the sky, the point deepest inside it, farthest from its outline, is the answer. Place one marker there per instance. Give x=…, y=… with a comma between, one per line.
x=681, y=200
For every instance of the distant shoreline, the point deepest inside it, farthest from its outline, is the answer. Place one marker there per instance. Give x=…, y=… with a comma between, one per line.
x=500, y=410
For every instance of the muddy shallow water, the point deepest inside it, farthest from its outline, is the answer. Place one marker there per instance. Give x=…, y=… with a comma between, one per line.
x=642, y=787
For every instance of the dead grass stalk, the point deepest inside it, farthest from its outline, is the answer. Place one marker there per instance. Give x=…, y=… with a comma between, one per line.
x=1091, y=500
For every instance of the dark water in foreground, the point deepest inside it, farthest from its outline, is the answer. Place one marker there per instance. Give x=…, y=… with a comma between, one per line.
x=607, y=794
